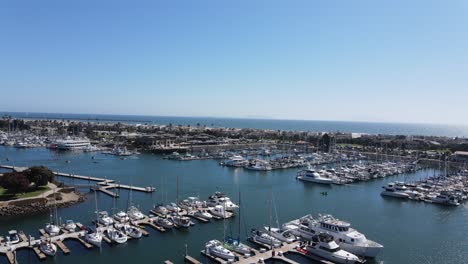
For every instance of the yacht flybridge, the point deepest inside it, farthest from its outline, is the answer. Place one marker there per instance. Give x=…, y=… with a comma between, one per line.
x=311, y=175
x=346, y=237
x=391, y=190
x=219, y=198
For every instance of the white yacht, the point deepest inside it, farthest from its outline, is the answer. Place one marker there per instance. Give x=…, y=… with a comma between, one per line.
x=280, y=234
x=116, y=235
x=346, y=237
x=445, y=199
x=160, y=209
x=73, y=144
x=12, y=237
x=52, y=229
x=203, y=214
x=219, y=211
x=216, y=249
x=94, y=237
x=259, y=165
x=264, y=238
x=310, y=175
x=390, y=190
x=131, y=231
x=219, y=198
x=236, y=161
x=122, y=217
x=48, y=248
x=134, y=213
x=164, y=222
x=325, y=247
x=172, y=207
x=180, y=221
x=70, y=225
x=105, y=219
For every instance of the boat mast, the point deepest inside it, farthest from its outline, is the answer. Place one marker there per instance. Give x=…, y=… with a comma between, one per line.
x=96, y=206
x=239, y=220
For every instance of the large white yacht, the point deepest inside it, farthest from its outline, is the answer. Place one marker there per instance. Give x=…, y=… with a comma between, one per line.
x=215, y=248
x=348, y=238
x=220, y=199
x=445, y=199
x=219, y=211
x=390, y=190
x=311, y=175
x=73, y=143
x=325, y=247
x=236, y=161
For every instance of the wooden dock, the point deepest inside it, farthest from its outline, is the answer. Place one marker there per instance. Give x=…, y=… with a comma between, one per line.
x=62, y=247
x=11, y=257
x=39, y=254
x=149, y=222
x=191, y=260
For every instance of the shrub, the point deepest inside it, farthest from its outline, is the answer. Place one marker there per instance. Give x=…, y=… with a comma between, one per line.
x=15, y=182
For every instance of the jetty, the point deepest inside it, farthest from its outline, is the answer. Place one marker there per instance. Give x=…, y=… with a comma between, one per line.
x=100, y=184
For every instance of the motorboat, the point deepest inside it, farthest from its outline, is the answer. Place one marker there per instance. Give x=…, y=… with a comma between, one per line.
x=219, y=211
x=215, y=248
x=445, y=199
x=181, y=221
x=105, y=219
x=116, y=235
x=134, y=213
x=219, y=198
x=129, y=230
x=160, y=209
x=390, y=190
x=12, y=237
x=344, y=235
x=236, y=161
x=203, y=214
x=191, y=203
x=52, y=229
x=122, y=217
x=70, y=225
x=311, y=175
x=259, y=165
x=164, y=222
x=48, y=248
x=173, y=208
x=94, y=237
x=325, y=247
x=280, y=234
x=236, y=246
x=264, y=238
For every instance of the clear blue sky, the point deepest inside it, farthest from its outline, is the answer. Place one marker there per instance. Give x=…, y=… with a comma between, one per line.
x=388, y=61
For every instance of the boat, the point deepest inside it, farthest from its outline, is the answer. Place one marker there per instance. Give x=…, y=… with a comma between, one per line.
x=235, y=161
x=164, y=222
x=93, y=237
x=325, y=247
x=116, y=235
x=219, y=198
x=445, y=199
x=390, y=190
x=12, y=237
x=280, y=234
x=214, y=248
x=70, y=225
x=120, y=151
x=311, y=175
x=344, y=235
x=172, y=207
x=129, y=230
x=234, y=244
x=264, y=238
x=180, y=221
x=219, y=211
x=259, y=165
x=191, y=203
x=105, y=219
x=122, y=217
x=203, y=214
x=73, y=144
x=160, y=209
x=48, y=248
x=134, y=213
x=52, y=229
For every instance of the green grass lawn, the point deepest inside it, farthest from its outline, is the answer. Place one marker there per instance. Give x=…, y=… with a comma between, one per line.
x=4, y=195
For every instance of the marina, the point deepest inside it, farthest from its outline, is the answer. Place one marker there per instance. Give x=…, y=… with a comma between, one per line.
x=193, y=178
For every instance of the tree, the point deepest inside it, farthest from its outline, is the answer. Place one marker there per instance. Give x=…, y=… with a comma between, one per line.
x=15, y=182
x=39, y=175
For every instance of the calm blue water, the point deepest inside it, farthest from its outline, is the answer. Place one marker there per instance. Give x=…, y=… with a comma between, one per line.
x=301, y=125
x=413, y=233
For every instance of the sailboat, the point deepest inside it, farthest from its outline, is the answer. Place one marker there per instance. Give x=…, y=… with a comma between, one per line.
x=176, y=218
x=95, y=237
x=234, y=244
x=132, y=211
x=278, y=233
x=52, y=228
x=216, y=249
x=265, y=237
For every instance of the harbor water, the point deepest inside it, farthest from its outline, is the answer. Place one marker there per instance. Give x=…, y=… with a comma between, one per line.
x=411, y=232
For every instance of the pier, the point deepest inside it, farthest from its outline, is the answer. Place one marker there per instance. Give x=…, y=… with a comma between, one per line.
x=101, y=184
